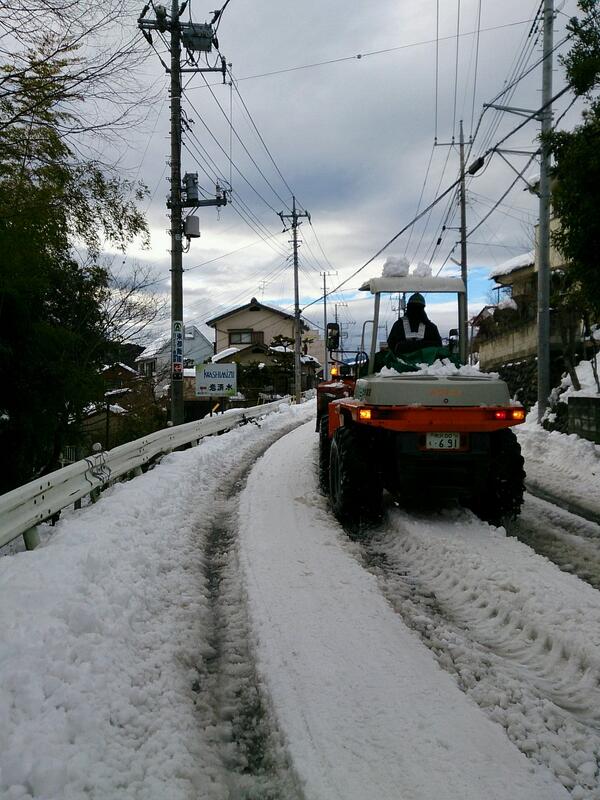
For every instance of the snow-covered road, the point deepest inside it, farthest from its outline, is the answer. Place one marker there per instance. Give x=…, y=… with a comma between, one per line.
x=179, y=641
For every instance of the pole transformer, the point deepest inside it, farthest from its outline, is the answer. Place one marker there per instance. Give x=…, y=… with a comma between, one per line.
x=196, y=38
x=543, y=250
x=294, y=216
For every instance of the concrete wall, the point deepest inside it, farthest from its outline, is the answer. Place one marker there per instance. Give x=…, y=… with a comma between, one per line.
x=513, y=345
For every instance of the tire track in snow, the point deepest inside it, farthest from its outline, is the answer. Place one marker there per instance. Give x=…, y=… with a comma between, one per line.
x=229, y=693
x=536, y=675
x=570, y=541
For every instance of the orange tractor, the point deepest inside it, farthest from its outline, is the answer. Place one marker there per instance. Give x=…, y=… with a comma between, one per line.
x=426, y=434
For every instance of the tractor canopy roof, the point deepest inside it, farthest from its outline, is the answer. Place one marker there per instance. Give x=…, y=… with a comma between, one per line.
x=413, y=283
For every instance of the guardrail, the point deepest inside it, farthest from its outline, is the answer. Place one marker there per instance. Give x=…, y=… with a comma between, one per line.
x=26, y=507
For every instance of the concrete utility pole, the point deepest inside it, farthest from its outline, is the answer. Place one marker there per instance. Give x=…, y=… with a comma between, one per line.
x=463, y=304
x=196, y=38
x=325, y=362
x=294, y=216
x=543, y=293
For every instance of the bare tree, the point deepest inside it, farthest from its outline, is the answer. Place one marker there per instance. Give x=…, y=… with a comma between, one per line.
x=100, y=50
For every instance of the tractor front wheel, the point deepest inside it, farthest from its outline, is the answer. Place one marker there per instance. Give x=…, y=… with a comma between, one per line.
x=355, y=486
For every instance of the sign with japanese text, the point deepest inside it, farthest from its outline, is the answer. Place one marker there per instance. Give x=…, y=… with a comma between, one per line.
x=216, y=380
x=177, y=351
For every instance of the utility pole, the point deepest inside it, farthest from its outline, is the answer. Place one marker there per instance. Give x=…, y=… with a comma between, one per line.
x=463, y=298
x=325, y=363
x=195, y=38
x=294, y=216
x=543, y=292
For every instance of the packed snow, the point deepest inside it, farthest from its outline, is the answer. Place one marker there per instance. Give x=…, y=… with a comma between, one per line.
x=422, y=270
x=395, y=267
x=442, y=367
x=366, y=711
x=442, y=658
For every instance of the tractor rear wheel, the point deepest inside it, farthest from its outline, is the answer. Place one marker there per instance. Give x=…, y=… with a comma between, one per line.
x=355, y=486
x=324, y=451
x=502, y=497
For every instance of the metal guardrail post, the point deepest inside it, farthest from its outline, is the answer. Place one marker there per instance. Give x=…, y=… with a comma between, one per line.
x=31, y=538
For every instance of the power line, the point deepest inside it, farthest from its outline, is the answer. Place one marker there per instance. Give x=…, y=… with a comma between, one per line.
x=360, y=56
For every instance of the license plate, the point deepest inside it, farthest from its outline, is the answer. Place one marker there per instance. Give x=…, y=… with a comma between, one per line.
x=442, y=441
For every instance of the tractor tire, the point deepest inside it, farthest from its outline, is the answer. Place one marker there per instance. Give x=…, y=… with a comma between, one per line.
x=324, y=451
x=502, y=498
x=355, y=487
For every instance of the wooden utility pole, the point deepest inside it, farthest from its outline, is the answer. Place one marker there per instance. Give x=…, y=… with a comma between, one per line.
x=294, y=216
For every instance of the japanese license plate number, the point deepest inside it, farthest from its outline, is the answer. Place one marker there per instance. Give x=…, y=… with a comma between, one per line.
x=442, y=441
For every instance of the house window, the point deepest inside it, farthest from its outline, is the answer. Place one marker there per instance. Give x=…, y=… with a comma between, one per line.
x=149, y=368
x=240, y=337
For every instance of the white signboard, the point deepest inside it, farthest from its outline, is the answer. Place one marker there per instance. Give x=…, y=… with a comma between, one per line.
x=216, y=380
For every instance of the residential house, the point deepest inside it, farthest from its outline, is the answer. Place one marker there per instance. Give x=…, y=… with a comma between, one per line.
x=155, y=360
x=507, y=332
x=246, y=335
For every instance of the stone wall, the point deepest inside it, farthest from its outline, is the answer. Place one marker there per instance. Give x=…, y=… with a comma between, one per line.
x=521, y=377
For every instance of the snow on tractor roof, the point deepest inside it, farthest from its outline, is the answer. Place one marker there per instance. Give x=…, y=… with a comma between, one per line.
x=413, y=283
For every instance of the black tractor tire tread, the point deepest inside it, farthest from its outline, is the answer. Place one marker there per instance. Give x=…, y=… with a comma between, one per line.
x=502, y=498
x=324, y=452
x=355, y=485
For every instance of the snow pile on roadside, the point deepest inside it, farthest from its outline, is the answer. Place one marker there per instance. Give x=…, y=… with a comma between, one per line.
x=565, y=465
x=103, y=630
x=441, y=368
x=589, y=388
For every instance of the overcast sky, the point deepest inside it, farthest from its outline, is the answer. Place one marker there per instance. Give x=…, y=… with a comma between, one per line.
x=353, y=140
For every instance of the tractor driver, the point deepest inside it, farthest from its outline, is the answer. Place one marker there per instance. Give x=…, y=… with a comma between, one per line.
x=414, y=330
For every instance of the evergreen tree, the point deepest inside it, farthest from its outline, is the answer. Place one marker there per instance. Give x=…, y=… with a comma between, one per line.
x=55, y=214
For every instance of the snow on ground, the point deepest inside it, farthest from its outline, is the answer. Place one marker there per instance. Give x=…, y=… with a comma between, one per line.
x=366, y=710
x=104, y=629
x=564, y=465
x=108, y=627
x=522, y=638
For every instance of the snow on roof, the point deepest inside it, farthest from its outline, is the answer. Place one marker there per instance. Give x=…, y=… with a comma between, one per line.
x=413, y=283
x=154, y=347
x=518, y=262
x=229, y=351
x=119, y=364
x=308, y=359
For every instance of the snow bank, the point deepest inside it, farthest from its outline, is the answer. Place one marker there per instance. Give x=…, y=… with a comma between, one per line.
x=586, y=379
x=563, y=464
